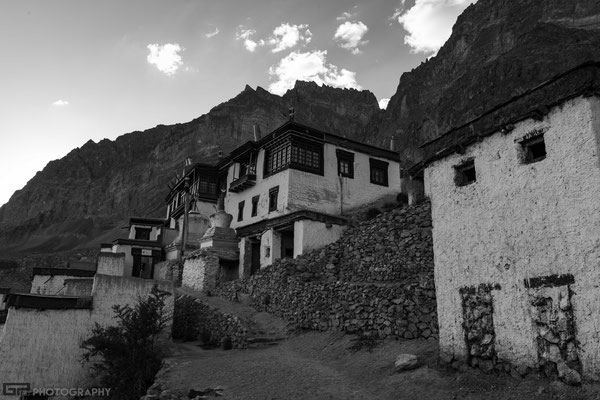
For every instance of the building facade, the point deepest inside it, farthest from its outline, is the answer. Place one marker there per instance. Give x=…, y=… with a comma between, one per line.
x=143, y=246
x=288, y=190
x=516, y=231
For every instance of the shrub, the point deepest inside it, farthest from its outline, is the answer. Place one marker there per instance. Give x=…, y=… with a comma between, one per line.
x=130, y=353
x=186, y=319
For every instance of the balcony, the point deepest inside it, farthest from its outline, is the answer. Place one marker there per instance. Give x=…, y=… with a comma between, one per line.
x=242, y=183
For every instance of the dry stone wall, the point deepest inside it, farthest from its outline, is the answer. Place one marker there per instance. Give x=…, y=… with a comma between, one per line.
x=377, y=280
x=212, y=326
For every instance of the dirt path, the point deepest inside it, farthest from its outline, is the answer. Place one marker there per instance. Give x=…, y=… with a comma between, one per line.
x=320, y=366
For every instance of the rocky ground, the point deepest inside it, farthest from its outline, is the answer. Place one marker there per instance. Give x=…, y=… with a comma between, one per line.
x=334, y=365
x=323, y=366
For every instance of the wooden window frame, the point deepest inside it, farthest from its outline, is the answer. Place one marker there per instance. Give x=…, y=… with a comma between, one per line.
x=345, y=156
x=254, y=211
x=241, y=206
x=376, y=166
x=273, y=194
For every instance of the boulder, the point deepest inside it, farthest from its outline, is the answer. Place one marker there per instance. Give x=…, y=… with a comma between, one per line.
x=405, y=362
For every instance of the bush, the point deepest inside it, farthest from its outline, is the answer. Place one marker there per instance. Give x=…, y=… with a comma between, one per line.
x=186, y=319
x=130, y=353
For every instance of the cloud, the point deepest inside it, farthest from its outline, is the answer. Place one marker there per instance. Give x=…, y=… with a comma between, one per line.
x=350, y=34
x=211, y=34
x=60, y=103
x=383, y=103
x=348, y=15
x=166, y=57
x=246, y=36
x=309, y=66
x=429, y=23
x=345, y=16
x=286, y=36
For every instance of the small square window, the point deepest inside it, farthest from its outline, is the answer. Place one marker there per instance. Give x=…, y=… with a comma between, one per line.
x=379, y=172
x=255, y=206
x=465, y=173
x=273, y=194
x=241, y=211
x=534, y=149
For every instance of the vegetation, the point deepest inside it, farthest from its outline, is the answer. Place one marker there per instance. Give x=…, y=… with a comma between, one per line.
x=186, y=319
x=130, y=354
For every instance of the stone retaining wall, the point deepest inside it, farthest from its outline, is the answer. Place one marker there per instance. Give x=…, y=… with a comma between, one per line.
x=376, y=280
x=212, y=326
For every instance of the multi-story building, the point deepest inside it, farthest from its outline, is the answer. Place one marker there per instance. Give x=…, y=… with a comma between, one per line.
x=288, y=190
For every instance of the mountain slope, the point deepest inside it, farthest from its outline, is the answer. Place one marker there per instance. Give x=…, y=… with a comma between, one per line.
x=87, y=195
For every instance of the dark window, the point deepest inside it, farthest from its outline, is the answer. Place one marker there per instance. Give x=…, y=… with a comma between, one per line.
x=534, y=149
x=273, y=194
x=255, y=206
x=379, y=172
x=465, y=173
x=206, y=187
x=277, y=158
x=142, y=233
x=241, y=210
x=307, y=157
x=345, y=163
x=296, y=153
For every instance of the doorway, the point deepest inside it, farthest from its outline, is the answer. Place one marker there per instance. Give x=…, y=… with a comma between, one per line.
x=255, y=258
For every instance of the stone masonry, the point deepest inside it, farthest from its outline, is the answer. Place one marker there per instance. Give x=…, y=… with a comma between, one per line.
x=377, y=280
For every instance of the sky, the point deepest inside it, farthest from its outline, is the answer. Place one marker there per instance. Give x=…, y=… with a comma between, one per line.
x=75, y=70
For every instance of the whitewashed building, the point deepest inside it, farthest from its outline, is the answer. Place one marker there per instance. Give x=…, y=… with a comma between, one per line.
x=287, y=190
x=143, y=246
x=515, y=198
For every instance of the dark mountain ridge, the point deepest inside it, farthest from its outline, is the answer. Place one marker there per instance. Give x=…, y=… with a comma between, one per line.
x=498, y=48
x=86, y=196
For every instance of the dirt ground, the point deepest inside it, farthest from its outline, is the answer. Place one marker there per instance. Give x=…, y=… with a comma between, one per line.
x=317, y=365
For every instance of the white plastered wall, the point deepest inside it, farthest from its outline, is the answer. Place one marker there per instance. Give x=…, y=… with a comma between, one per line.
x=521, y=221
x=310, y=235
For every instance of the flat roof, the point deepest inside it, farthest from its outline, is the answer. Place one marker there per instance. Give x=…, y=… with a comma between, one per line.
x=535, y=103
x=287, y=219
x=63, y=271
x=147, y=221
x=47, y=302
x=137, y=242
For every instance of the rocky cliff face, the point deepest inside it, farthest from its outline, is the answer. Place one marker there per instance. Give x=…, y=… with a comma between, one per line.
x=497, y=49
x=84, y=198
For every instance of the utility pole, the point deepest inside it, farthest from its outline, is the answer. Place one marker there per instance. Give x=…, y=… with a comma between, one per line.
x=186, y=208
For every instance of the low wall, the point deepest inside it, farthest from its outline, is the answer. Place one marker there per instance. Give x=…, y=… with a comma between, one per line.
x=42, y=346
x=78, y=287
x=111, y=264
x=211, y=325
x=376, y=280
x=170, y=270
x=53, y=285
